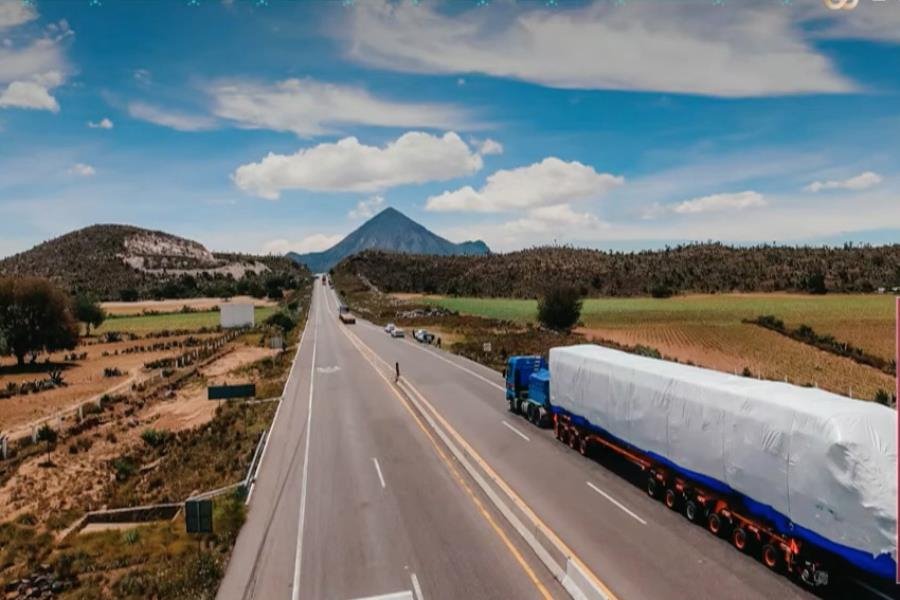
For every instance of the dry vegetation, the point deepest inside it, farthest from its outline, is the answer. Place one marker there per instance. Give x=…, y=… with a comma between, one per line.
x=152, y=443
x=700, y=268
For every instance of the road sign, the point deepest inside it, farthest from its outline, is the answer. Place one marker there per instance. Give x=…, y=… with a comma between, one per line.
x=486, y=346
x=198, y=516
x=227, y=392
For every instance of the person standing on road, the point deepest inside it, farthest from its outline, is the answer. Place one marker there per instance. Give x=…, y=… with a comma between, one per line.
x=397, y=376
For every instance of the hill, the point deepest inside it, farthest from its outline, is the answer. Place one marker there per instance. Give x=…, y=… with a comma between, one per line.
x=113, y=262
x=702, y=268
x=390, y=230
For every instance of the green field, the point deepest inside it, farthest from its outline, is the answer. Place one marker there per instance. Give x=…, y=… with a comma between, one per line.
x=173, y=321
x=708, y=330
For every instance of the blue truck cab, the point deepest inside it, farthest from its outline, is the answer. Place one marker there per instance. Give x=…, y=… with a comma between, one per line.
x=528, y=388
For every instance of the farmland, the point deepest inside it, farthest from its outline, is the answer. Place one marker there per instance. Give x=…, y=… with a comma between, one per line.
x=708, y=330
x=175, y=321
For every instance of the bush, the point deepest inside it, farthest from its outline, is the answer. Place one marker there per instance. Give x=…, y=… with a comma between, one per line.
x=282, y=320
x=155, y=437
x=560, y=308
x=124, y=467
x=661, y=290
x=885, y=398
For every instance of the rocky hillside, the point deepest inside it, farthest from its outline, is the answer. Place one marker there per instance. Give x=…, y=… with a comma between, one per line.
x=113, y=262
x=704, y=268
x=392, y=231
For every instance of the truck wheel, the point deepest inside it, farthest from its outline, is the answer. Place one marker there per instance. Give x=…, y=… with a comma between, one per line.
x=557, y=430
x=563, y=435
x=671, y=499
x=512, y=406
x=740, y=539
x=584, y=446
x=573, y=440
x=715, y=524
x=771, y=557
x=691, y=511
x=652, y=487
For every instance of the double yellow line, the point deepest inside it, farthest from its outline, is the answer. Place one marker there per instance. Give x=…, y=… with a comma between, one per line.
x=367, y=352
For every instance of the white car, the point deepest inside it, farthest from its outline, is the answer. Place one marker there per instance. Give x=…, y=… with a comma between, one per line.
x=397, y=332
x=389, y=328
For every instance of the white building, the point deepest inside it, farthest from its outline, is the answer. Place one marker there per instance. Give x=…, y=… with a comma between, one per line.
x=235, y=315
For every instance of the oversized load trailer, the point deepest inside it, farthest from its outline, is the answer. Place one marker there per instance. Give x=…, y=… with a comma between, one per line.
x=807, y=475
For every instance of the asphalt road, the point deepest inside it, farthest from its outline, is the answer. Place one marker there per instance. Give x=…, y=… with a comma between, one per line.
x=430, y=488
x=356, y=497
x=632, y=544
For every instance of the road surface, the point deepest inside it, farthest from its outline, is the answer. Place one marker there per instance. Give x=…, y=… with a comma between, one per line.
x=356, y=498
x=430, y=488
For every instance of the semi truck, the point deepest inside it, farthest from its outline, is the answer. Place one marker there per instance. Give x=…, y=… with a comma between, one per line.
x=803, y=479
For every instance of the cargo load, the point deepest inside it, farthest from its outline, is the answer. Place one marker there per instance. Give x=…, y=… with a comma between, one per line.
x=818, y=466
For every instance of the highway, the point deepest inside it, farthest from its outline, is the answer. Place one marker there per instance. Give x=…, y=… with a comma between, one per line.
x=356, y=498
x=430, y=488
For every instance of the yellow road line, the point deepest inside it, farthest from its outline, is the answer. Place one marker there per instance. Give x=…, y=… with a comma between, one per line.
x=456, y=474
x=551, y=535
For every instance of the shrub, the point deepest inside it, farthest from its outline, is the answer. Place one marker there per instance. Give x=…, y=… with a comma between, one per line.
x=155, y=437
x=124, y=467
x=661, y=290
x=885, y=398
x=560, y=308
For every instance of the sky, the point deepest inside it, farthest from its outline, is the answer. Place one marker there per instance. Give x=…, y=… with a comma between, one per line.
x=272, y=125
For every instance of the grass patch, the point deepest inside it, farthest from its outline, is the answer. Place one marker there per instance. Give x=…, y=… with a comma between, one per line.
x=173, y=321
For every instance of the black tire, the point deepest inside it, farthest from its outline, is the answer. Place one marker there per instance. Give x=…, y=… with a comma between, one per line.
x=653, y=487
x=771, y=557
x=573, y=440
x=564, y=435
x=691, y=511
x=716, y=524
x=512, y=406
x=740, y=539
x=671, y=499
x=584, y=446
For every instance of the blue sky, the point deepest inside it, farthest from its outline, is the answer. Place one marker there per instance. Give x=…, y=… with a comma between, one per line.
x=269, y=128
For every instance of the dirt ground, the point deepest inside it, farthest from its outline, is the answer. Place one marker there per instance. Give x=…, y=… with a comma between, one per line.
x=164, y=306
x=76, y=481
x=84, y=378
x=190, y=407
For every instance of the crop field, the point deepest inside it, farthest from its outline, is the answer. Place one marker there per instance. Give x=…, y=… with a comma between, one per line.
x=707, y=330
x=172, y=321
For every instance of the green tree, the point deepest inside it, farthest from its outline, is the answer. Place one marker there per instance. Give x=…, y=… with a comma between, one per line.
x=49, y=436
x=560, y=307
x=35, y=316
x=89, y=312
x=282, y=320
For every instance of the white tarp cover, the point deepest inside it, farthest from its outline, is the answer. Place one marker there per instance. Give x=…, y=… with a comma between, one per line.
x=826, y=462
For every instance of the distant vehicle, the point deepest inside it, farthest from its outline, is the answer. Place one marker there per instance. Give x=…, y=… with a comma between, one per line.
x=344, y=315
x=424, y=337
x=390, y=327
x=324, y=280
x=396, y=332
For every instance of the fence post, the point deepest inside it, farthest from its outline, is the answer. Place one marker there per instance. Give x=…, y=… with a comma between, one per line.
x=80, y=412
x=34, y=435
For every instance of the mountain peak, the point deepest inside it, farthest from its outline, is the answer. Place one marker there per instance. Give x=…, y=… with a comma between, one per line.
x=389, y=230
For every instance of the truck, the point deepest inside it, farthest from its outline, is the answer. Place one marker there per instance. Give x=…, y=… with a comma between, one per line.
x=803, y=479
x=344, y=315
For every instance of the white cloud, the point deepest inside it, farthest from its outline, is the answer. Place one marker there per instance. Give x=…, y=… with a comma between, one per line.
x=168, y=118
x=14, y=13
x=83, y=170
x=308, y=108
x=863, y=181
x=721, y=202
x=367, y=208
x=30, y=71
x=28, y=94
x=349, y=166
x=103, y=123
x=547, y=183
x=746, y=51
x=313, y=243
x=490, y=146
x=142, y=76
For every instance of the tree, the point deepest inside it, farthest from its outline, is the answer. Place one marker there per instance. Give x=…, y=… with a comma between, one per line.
x=48, y=435
x=560, y=307
x=815, y=284
x=282, y=320
x=35, y=316
x=89, y=312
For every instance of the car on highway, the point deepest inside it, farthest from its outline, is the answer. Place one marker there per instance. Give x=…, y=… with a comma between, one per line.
x=396, y=332
x=389, y=328
x=423, y=336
